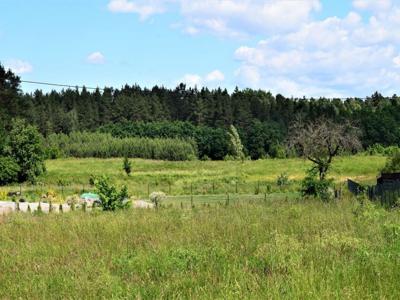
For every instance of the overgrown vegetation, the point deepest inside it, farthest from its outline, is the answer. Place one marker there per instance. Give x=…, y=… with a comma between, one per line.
x=21, y=155
x=102, y=145
x=111, y=199
x=212, y=143
x=127, y=166
x=393, y=163
x=157, y=198
x=274, y=249
x=9, y=170
x=316, y=187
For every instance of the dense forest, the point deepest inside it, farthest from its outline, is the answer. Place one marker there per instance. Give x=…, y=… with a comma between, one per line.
x=204, y=115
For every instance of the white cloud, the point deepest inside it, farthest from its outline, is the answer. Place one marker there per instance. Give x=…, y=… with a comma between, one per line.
x=216, y=75
x=336, y=56
x=233, y=18
x=191, y=30
x=240, y=18
x=96, y=58
x=191, y=80
x=144, y=9
x=354, y=55
x=19, y=66
x=396, y=61
x=375, y=5
x=211, y=79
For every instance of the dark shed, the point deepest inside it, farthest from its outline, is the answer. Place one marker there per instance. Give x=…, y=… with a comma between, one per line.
x=389, y=178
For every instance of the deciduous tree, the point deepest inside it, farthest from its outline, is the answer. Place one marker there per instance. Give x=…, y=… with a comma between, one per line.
x=322, y=140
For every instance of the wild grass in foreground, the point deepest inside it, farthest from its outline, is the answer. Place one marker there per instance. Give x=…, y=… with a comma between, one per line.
x=275, y=249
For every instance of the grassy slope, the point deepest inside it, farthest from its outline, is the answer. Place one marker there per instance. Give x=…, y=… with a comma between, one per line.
x=275, y=249
x=203, y=174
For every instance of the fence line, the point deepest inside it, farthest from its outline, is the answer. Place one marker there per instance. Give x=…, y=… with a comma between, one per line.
x=387, y=193
x=146, y=188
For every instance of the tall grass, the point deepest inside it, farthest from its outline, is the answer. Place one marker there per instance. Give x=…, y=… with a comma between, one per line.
x=256, y=250
x=103, y=145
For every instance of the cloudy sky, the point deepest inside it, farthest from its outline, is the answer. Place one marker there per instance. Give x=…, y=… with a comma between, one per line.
x=293, y=47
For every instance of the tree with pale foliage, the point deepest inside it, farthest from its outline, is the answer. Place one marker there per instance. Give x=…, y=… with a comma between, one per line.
x=236, y=143
x=322, y=140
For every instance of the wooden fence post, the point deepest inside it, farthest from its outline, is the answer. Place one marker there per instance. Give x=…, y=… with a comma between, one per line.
x=191, y=194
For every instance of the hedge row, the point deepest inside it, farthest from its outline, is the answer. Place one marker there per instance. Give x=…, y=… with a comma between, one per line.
x=103, y=145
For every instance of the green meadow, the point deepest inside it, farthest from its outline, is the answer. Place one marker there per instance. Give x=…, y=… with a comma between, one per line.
x=208, y=240
x=257, y=249
x=69, y=176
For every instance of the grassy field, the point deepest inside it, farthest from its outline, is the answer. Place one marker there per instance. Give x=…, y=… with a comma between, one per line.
x=198, y=177
x=259, y=249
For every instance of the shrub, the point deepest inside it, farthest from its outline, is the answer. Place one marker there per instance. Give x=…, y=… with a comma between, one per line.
x=282, y=180
x=367, y=211
x=278, y=151
x=393, y=164
x=319, y=188
x=9, y=170
x=378, y=149
x=73, y=200
x=111, y=199
x=157, y=198
x=127, y=166
x=25, y=147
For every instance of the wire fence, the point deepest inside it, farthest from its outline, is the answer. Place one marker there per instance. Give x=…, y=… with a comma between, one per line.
x=143, y=190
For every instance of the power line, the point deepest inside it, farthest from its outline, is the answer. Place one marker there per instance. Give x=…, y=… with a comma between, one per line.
x=101, y=89
x=62, y=85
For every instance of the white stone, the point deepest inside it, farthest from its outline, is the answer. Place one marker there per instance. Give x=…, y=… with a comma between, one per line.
x=142, y=204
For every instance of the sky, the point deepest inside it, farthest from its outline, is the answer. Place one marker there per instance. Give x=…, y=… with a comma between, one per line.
x=330, y=48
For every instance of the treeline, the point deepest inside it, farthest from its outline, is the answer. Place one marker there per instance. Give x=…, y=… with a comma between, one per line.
x=260, y=139
x=261, y=118
x=103, y=145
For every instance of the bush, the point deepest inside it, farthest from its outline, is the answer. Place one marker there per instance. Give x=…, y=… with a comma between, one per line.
x=9, y=170
x=53, y=153
x=157, y=198
x=127, y=166
x=393, y=164
x=26, y=148
x=314, y=187
x=283, y=180
x=110, y=198
x=378, y=149
x=278, y=151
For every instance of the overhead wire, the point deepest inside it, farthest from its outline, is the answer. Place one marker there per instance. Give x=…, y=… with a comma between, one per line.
x=102, y=89
x=62, y=85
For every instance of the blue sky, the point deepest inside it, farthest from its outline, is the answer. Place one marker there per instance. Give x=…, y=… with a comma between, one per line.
x=293, y=47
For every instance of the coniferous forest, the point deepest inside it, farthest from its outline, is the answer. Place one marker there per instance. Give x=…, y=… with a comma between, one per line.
x=203, y=115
